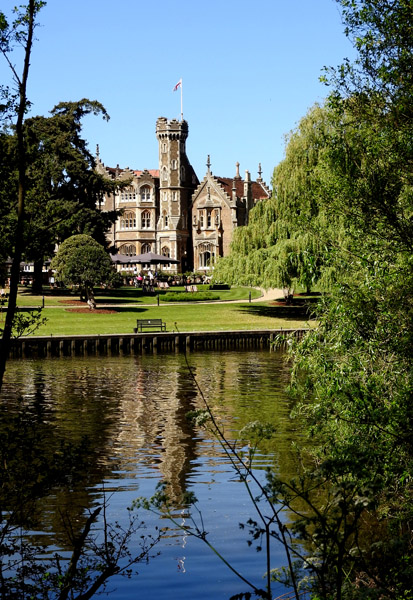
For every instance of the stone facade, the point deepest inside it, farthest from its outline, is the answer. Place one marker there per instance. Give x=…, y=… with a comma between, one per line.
x=167, y=211
x=219, y=205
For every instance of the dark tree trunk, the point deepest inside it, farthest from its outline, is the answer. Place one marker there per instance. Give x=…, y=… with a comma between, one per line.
x=21, y=165
x=37, y=285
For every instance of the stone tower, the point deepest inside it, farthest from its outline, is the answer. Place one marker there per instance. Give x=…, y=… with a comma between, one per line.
x=177, y=182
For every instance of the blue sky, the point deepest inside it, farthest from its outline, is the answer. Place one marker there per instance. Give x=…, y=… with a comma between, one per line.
x=250, y=71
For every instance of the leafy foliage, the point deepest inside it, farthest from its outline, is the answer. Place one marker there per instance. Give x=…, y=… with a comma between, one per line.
x=345, y=191
x=81, y=261
x=26, y=323
x=63, y=189
x=284, y=242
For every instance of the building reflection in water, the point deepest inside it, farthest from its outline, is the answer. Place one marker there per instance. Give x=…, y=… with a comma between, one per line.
x=132, y=412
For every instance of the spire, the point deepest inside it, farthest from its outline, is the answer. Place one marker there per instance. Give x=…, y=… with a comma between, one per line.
x=97, y=150
x=259, y=172
x=208, y=164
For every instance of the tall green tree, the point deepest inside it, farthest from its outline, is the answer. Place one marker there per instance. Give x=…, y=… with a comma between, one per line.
x=356, y=369
x=353, y=373
x=64, y=191
x=283, y=244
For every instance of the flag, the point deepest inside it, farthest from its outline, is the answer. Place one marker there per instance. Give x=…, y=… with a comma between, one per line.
x=179, y=84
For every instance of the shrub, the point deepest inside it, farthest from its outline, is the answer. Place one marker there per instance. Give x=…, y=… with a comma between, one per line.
x=219, y=286
x=189, y=296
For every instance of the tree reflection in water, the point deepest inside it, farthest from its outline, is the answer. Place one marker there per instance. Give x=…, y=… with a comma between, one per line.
x=118, y=424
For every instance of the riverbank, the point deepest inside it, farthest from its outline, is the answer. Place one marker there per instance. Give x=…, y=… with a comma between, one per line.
x=149, y=342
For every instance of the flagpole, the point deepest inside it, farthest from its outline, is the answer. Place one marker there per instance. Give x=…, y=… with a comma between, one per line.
x=182, y=112
x=179, y=84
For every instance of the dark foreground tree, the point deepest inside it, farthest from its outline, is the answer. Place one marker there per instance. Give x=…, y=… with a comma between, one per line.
x=21, y=32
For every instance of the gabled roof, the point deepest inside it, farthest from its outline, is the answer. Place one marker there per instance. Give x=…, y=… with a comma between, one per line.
x=116, y=171
x=257, y=190
x=153, y=172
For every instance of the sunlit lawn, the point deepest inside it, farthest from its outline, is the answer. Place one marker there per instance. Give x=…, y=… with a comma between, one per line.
x=184, y=317
x=129, y=304
x=126, y=295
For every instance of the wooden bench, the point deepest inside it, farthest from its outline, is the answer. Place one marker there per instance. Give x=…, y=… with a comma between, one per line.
x=191, y=288
x=142, y=324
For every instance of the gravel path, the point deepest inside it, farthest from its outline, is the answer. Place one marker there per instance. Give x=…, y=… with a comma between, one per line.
x=271, y=294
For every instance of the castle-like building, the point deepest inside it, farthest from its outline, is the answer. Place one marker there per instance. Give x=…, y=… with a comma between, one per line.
x=168, y=211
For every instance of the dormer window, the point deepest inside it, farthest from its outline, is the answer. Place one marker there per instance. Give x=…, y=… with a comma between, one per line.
x=127, y=196
x=145, y=193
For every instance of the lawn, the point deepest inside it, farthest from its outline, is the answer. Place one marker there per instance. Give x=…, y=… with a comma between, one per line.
x=124, y=307
x=126, y=295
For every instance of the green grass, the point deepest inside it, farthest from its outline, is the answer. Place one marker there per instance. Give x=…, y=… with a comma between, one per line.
x=187, y=317
x=127, y=295
x=130, y=304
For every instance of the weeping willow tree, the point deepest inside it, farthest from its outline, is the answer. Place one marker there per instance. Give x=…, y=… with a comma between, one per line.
x=287, y=238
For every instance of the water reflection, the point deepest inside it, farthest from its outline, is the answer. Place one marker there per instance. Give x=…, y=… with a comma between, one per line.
x=125, y=418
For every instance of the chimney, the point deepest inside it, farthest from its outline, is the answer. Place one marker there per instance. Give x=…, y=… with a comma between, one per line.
x=237, y=175
x=248, y=188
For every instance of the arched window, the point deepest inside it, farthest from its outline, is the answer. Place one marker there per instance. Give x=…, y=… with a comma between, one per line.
x=164, y=173
x=128, y=220
x=145, y=248
x=174, y=164
x=182, y=172
x=206, y=255
x=128, y=250
x=209, y=218
x=146, y=219
x=145, y=192
x=165, y=219
x=166, y=252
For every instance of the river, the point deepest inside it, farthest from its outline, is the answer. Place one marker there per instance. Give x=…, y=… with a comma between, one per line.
x=130, y=413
